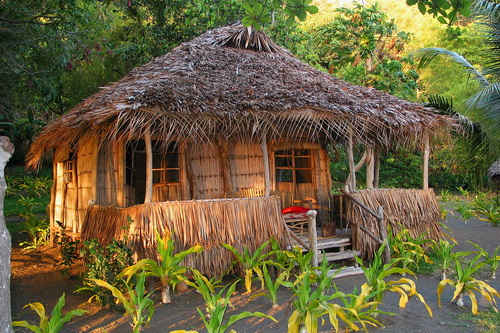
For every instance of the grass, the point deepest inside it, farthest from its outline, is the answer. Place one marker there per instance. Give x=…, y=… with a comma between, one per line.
x=487, y=321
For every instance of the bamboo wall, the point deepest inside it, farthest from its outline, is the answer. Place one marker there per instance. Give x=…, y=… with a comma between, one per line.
x=242, y=222
x=207, y=171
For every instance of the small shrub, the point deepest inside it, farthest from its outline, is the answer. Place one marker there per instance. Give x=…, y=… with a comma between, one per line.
x=104, y=263
x=68, y=248
x=35, y=227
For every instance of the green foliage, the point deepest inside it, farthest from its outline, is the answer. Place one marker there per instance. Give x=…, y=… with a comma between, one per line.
x=104, y=263
x=216, y=305
x=137, y=304
x=272, y=286
x=483, y=207
x=445, y=11
x=251, y=263
x=68, y=248
x=443, y=254
x=467, y=284
x=492, y=260
x=410, y=250
x=207, y=289
x=37, y=228
x=377, y=272
x=486, y=321
x=362, y=46
x=168, y=268
x=49, y=324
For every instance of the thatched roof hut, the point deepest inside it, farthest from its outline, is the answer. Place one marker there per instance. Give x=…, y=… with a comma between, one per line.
x=227, y=114
x=210, y=87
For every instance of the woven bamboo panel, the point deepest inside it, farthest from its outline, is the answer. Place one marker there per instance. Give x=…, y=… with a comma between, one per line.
x=244, y=222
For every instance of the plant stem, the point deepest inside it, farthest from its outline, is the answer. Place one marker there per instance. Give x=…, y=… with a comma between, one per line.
x=165, y=295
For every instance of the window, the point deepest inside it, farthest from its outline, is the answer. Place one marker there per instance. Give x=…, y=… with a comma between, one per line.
x=68, y=171
x=293, y=166
x=166, y=165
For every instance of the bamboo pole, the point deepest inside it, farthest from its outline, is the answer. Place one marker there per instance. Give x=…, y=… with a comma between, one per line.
x=376, y=157
x=313, y=236
x=149, y=167
x=350, y=156
x=426, y=161
x=370, y=166
x=267, y=173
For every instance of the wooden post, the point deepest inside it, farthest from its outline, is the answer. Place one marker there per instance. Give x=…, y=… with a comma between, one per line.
x=383, y=234
x=148, y=197
x=426, y=161
x=376, y=157
x=225, y=167
x=350, y=156
x=267, y=173
x=313, y=236
x=370, y=166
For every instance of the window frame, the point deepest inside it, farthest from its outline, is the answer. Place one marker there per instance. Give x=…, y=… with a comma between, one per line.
x=293, y=155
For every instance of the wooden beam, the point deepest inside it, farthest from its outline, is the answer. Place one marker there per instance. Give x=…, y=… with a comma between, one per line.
x=225, y=167
x=267, y=171
x=350, y=156
x=148, y=197
x=383, y=234
x=370, y=166
x=376, y=168
x=426, y=161
x=313, y=236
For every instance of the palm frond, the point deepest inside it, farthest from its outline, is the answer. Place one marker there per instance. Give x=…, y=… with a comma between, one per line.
x=486, y=8
x=488, y=100
x=427, y=55
x=445, y=106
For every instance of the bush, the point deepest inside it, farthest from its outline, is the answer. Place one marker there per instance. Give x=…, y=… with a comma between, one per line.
x=104, y=263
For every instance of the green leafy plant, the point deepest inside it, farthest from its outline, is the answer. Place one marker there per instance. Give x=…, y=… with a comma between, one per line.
x=52, y=324
x=104, y=263
x=272, y=286
x=491, y=260
x=466, y=284
x=312, y=301
x=206, y=288
x=68, y=248
x=37, y=228
x=410, y=250
x=137, y=304
x=377, y=272
x=251, y=263
x=444, y=255
x=168, y=268
x=214, y=320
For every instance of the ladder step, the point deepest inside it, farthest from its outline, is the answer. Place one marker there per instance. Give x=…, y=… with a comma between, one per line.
x=342, y=255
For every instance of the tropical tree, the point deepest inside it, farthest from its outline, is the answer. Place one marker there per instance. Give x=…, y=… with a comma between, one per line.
x=487, y=98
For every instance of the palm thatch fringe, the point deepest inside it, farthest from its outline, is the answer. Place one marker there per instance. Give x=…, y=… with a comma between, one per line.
x=415, y=210
x=245, y=222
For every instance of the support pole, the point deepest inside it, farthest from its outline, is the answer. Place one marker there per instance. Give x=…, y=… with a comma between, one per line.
x=383, y=234
x=426, y=161
x=148, y=197
x=350, y=156
x=313, y=236
x=370, y=166
x=267, y=173
x=376, y=168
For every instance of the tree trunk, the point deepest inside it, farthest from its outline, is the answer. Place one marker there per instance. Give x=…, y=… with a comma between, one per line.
x=426, y=162
x=370, y=166
x=165, y=295
x=148, y=197
x=376, y=158
x=350, y=155
x=6, y=150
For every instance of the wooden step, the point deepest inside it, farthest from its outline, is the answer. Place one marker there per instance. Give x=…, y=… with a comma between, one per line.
x=345, y=271
x=342, y=255
x=326, y=243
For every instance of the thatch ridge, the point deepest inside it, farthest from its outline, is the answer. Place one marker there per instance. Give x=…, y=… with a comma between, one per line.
x=412, y=209
x=205, y=89
x=242, y=222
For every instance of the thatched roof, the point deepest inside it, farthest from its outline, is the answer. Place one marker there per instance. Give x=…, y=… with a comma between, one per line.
x=494, y=169
x=237, y=84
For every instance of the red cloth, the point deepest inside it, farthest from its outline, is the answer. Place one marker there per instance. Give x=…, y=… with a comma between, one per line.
x=294, y=210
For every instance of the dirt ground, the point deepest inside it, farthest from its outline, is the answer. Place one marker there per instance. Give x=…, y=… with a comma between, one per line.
x=34, y=280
